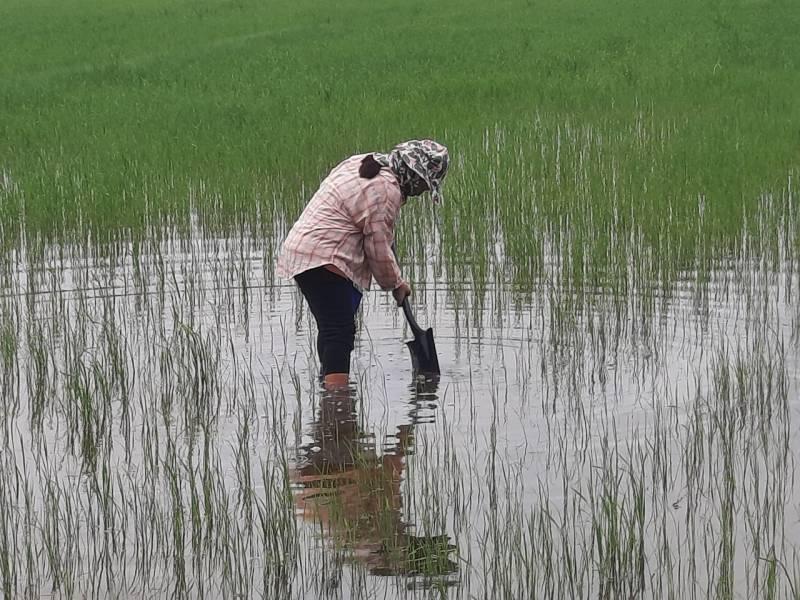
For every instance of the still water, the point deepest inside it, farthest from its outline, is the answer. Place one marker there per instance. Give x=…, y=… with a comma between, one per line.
x=164, y=433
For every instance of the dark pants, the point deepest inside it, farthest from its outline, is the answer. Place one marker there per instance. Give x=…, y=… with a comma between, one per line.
x=333, y=301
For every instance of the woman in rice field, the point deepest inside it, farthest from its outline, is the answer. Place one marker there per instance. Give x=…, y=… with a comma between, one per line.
x=344, y=238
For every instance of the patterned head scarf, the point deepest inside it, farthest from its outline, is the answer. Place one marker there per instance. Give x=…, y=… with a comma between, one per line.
x=423, y=159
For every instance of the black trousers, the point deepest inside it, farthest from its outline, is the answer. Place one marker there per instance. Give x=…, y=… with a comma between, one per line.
x=333, y=301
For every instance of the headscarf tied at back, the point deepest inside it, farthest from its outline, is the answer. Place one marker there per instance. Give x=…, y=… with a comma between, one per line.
x=425, y=159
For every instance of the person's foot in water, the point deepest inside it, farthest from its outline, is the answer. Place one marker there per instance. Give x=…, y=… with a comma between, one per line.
x=336, y=381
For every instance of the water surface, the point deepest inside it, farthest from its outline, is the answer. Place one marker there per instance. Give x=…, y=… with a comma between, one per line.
x=164, y=432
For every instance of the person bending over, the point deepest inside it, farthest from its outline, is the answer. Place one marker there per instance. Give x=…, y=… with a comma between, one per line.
x=344, y=238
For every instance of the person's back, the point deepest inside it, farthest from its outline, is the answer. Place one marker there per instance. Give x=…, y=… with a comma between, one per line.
x=332, y=228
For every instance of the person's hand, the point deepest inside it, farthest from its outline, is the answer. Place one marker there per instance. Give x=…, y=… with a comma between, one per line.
x=401, y=292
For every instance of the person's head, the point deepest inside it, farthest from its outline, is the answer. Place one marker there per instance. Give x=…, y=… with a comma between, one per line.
x=419, y=165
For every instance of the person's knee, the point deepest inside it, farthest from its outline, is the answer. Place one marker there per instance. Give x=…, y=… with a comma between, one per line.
x=339, y=333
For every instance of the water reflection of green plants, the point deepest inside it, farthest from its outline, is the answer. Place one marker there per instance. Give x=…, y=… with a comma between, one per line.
x=352, y=491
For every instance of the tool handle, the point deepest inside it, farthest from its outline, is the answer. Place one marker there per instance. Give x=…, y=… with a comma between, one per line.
x=412, y=322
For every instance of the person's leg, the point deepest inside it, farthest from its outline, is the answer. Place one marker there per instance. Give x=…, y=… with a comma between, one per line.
x=332, y=302
x=338, y=331
x=312, y=284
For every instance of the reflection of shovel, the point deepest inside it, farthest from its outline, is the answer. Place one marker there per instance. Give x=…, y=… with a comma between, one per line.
x=422, y=347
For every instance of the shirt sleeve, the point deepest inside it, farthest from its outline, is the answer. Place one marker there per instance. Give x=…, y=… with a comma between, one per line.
x=379, y=235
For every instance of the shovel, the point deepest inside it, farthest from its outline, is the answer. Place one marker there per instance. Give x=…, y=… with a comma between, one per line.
x=422, y=347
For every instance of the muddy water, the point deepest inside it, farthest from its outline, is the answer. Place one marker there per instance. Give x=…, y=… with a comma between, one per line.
x=164, y=433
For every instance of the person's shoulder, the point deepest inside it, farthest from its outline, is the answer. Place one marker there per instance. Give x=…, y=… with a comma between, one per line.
x=385, y=183
x=391, y=187
x=388, y=180
x=344, y=176
x=384, y=186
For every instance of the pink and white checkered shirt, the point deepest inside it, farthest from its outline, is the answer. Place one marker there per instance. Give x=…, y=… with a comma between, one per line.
x=348, y=223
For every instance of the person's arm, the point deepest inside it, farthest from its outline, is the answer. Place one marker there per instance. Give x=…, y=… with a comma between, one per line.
x=379, y=235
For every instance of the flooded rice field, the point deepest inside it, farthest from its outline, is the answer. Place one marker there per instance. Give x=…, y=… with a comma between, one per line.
x=164, y=433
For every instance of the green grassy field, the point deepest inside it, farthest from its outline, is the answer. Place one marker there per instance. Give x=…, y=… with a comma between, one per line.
x=117, y=109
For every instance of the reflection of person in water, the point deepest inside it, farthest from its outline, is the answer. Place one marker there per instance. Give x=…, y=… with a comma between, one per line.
x=344, y=485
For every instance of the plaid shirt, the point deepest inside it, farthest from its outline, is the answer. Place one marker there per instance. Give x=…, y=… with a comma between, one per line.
x=349, y=223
